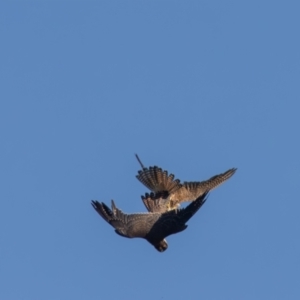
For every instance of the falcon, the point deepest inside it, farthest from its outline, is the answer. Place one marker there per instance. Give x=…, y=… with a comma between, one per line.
x=154, y=227
x=160, y=182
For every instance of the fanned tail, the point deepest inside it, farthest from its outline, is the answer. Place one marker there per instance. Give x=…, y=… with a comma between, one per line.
x=156, y=202
x=157, y=180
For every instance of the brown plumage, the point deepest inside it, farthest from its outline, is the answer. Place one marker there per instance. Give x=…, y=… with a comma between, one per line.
x=159, y=182
x=154, y=227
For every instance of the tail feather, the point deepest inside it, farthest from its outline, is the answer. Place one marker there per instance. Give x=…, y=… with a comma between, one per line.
x=156, y=202
x=157, y=180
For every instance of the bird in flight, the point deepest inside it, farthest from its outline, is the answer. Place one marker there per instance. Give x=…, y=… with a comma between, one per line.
x=161, y=183
x=153, y=226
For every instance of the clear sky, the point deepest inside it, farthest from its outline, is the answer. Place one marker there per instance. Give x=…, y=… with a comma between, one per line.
x=196, y=87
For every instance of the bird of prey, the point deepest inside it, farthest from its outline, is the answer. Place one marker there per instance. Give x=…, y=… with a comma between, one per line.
x=158, y=181
x=154, y=227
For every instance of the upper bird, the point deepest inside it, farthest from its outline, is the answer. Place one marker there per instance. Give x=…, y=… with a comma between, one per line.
x=154, y=227
x=159, y=182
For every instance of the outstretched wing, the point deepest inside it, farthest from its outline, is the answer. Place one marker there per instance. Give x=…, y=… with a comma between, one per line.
x=192, y=190
x=185, y=214
x=173, y=221
x=127, y=225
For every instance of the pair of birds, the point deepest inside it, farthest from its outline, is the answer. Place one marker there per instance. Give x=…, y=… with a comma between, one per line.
x=164, y=216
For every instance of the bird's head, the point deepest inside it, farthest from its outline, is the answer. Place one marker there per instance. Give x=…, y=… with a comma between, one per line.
x=161, y=246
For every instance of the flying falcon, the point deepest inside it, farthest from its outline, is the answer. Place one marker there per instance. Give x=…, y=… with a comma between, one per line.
x=159, y=182
x=154, y=227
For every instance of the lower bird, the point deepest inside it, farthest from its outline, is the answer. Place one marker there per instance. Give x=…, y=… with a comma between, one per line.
x=154, y=227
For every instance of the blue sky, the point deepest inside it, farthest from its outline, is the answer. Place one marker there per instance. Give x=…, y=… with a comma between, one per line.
x=196, y=87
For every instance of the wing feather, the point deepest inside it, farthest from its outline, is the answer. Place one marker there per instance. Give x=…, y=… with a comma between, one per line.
x=127, y=225
x=192, y=190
